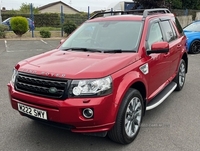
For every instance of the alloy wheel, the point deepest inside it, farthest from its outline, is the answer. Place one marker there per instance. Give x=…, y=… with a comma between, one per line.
x=133, y=117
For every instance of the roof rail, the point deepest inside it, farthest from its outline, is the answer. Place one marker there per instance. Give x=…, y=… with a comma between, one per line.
x=155, y=10
x=144, y=12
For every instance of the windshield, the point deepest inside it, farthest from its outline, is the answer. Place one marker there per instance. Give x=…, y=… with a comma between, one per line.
x=108, y=35
x=193, y=27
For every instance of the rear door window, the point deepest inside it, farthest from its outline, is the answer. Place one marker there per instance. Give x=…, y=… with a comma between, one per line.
x=168, y=31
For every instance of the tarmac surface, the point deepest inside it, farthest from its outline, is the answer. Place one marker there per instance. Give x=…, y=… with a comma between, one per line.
x=172, y=126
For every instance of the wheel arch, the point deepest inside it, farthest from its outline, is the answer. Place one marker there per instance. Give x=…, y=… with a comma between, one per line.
x=134, y=80
x=142, y=89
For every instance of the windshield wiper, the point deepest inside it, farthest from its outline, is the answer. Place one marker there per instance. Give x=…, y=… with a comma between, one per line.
x=117, y=51
x=83, y=49
x=97, y=50
x=113, y=51
x=75, y=48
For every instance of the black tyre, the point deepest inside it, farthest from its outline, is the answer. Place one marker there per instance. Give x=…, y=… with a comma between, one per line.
x=180, y=77
x=195, y=47
x=129, y=118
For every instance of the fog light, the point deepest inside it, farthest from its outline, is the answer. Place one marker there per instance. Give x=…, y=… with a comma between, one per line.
x=88, y=113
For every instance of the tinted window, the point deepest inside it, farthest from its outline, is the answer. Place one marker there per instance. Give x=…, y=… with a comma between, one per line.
x=131, y=5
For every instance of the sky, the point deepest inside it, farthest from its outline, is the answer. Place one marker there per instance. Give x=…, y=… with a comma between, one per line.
x=81, y=5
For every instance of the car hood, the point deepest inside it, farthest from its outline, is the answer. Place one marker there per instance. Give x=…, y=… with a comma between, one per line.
x=76, y=65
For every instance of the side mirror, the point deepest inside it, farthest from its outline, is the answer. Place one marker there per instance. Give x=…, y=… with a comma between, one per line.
x=159, y=47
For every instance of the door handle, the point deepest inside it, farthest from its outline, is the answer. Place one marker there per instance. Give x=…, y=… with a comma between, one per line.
x=179, y=45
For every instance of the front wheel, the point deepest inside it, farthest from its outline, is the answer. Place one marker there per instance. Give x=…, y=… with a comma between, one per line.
x=180, y=77
x=195, y=47
x=129, y=118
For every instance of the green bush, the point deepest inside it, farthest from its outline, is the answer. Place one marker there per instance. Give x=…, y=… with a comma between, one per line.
x=3, y=28
x=19, y=25
x=69, y=27
x=45, y=33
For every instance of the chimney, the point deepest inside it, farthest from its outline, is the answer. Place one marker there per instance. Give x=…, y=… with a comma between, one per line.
x=3, y=9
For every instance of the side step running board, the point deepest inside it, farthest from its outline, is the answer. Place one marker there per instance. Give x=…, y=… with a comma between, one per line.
x=161, y=96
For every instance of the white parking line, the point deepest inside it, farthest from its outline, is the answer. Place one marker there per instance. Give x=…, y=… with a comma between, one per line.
x=43, y=41
x=9, y=51
x=26, y=50
x=6, y=46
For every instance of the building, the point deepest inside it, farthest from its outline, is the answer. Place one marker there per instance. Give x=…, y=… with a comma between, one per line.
x=56, y=8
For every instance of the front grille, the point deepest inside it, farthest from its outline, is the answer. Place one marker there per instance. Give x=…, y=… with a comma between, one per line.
x=41, y=86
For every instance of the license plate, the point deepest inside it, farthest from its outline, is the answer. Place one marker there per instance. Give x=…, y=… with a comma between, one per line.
x=32, y=111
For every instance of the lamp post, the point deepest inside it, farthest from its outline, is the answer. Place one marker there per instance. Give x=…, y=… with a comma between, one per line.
x=0, y=14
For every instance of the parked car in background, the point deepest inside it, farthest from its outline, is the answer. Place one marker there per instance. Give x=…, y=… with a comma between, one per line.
x=30, y=23
x=192, y=32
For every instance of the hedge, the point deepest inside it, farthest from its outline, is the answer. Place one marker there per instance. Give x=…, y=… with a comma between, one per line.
x=50, y=19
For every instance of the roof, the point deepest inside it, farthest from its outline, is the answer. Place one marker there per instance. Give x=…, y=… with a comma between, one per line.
x=143, y=12
x=54, y=3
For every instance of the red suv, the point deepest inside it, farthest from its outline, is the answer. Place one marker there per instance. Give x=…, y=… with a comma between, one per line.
x=104, y=76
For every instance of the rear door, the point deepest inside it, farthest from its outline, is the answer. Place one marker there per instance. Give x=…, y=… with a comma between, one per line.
x=170, y=35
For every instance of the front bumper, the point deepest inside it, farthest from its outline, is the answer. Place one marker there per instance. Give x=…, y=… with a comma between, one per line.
x=69, y=112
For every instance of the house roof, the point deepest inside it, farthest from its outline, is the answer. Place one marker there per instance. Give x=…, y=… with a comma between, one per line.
x=54, y=3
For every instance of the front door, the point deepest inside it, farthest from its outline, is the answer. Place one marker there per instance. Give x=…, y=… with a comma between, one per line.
x=159, y=64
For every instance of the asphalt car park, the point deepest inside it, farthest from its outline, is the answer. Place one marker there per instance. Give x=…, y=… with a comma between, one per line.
x=174, y=125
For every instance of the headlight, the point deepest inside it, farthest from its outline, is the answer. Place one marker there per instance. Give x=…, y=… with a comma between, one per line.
x=91, y=87
x=15, y=72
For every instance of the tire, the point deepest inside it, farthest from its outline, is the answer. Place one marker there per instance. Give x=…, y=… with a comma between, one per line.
x=129, y=118
x=195, y=47
x=180, y=77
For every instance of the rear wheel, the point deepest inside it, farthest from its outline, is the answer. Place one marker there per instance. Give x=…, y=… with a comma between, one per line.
x=195, y=47
x=180, y=77
x=129, y=118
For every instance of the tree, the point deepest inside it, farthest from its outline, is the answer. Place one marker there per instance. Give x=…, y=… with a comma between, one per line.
x=19, y=25
x=152, y=4
x=191, y=4
x=175, y=4
x=25, y=8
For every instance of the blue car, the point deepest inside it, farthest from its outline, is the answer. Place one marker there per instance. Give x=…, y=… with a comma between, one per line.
x=192, y=32
x=30, y=23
